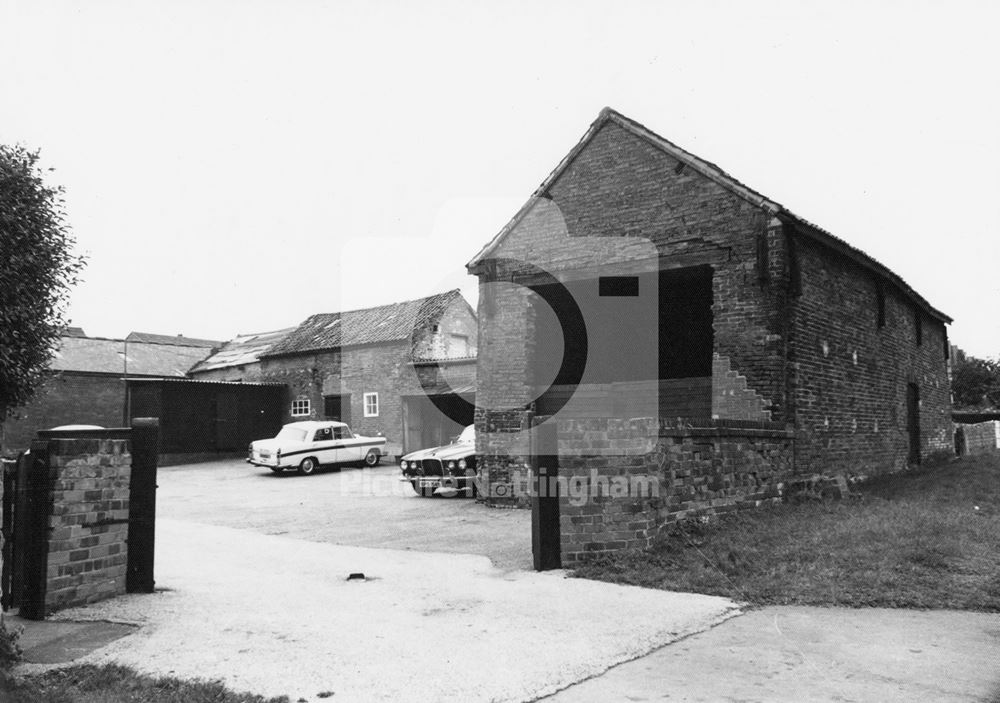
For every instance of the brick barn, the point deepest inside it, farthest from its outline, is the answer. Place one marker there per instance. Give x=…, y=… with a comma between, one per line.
x=405, y=370
x=647, y=315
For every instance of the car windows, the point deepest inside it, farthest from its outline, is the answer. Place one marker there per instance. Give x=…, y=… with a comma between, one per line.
x=341, y=433
x=324, y=434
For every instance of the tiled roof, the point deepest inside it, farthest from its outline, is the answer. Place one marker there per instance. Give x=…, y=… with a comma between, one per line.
x=243, y=349
x=178, y=340
x=98, y=355
x=385, y=323
x=716, y=174
x=74, y=332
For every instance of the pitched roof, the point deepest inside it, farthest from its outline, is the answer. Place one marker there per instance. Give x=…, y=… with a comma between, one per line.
x=99, y=355
x=385, y=323
x=74, y=332
x=720, y=177
x=178, y=340
x=242, y=349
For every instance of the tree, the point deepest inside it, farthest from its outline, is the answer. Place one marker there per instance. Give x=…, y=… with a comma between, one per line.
x=37, y=269
x=975, y=383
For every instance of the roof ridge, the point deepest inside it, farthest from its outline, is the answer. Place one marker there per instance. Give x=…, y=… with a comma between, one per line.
x=718, y=176
x=387, y=305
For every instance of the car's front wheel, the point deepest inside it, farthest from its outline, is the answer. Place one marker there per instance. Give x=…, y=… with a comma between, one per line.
x=372, y=458
x=307, y=466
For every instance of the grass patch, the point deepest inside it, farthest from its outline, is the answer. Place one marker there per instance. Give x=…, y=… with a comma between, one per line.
x=926, y=538
x=117, y=684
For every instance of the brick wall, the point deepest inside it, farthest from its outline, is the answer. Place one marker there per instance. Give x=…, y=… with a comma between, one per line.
x=809, y=355
x=66, y=398
x=850, y=374
x=87, y=556
x=981, y=437
x=630, y=478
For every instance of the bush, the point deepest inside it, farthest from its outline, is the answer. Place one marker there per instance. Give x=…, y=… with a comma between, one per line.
x=10, y=650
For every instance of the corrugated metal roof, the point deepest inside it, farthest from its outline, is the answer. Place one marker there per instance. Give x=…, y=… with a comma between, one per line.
x=717, y=175
x=99, y=355
x=242, y=349
x=385, y=323
x=178, y=340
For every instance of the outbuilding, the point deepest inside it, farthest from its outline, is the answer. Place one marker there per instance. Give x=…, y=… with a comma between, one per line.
x=647, y=315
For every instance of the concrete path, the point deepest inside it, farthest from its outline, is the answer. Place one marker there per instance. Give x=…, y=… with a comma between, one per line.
x=274, y=615
x=794, y=654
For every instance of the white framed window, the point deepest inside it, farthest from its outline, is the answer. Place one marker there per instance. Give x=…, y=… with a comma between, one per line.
x=371, y=404
x=301, y=407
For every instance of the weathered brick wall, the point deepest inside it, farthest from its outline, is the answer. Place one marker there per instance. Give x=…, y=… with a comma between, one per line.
x=624, y=207
x=386, y=369
x=982, y=437
x=453, y=336
x=88, y=554
x=611, y=463
x=850, y=375
x=66, y=398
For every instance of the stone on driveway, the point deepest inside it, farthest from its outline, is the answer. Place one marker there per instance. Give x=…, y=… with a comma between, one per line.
x=274, y=615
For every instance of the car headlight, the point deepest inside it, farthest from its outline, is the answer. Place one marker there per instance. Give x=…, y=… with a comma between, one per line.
x=462, y=463
x=451, y=464
x=403, y=465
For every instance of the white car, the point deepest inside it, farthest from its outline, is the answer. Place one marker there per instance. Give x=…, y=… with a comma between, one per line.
x=307, y=445
x=448, y=470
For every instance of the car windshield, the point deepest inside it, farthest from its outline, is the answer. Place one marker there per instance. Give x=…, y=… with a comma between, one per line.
x=293, y=433
x=468, y=435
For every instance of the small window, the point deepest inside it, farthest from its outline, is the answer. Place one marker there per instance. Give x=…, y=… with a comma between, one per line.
x=301, y=407
x=371, y=404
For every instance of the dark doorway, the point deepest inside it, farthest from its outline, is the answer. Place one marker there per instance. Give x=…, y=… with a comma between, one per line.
x=337, y=407
x=649, y=346
x=431, y=424
x=913, y=422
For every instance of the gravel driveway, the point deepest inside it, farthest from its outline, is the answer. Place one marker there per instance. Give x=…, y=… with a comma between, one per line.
x=350, y=506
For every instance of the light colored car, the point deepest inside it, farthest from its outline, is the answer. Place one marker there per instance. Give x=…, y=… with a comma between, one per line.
x=307, y=445
x=448, y=470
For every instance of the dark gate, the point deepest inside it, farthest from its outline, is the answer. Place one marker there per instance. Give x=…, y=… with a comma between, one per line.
x=142, y=505
x=26, y=510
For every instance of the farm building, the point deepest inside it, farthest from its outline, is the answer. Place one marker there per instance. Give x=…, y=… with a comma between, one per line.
x=645, y=314
x=404, y=370
x=87, y=380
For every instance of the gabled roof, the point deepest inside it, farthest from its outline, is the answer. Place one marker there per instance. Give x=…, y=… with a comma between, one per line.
x=74, y=332
x=242, y=349
x=178, y=340
x=720, y=177
x=385, y=323
x=99, y=355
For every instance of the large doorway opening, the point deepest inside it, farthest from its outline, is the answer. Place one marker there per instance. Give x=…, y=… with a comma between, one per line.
x=429, y=423
x=648, y=350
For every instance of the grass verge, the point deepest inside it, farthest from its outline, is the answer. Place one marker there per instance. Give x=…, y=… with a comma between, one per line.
x=925, y=538
x=116, y=684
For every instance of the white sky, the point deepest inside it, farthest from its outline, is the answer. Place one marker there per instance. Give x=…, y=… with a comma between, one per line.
x=235, y=166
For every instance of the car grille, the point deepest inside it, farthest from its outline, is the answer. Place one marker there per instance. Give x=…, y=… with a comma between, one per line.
x=431, y=467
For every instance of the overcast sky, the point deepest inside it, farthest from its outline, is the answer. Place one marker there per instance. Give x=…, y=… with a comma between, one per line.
x=235, y=166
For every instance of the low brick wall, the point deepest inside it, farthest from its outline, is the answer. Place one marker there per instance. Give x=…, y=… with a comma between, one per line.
x=87, y=556
x=982, y=437
x=622, y=481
